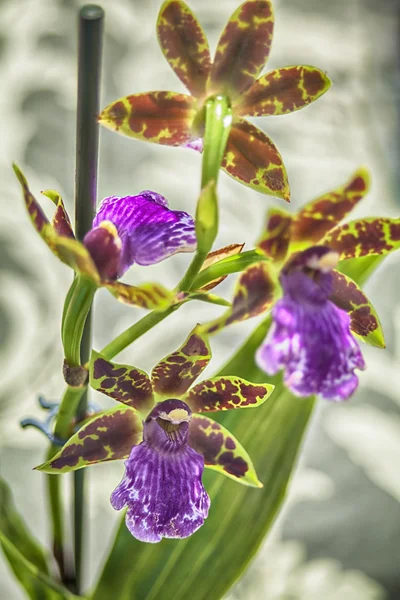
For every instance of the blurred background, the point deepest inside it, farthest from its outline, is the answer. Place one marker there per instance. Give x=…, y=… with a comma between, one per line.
x=338, y=537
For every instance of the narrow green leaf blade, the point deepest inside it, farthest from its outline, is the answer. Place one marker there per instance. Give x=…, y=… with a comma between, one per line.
x=37, y=584
x=216, y=272
x=14, y=529
x=215, y=257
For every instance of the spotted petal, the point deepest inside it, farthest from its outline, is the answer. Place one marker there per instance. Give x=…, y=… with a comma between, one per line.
x=110, y=435
x=221, y=451
x=364, y=237
x=160, y=117
x=152, y=296
x=321, y=215
x=61, y=221
x=275, y=240
x=282, y=91
x=175, y=373
x=252, y=158
x=149, y=231
x=255, y=292
x=124, y=383
x=364, y=321
x=224, y=393
x=67, y=249
x=243, y=48
x=184, y=45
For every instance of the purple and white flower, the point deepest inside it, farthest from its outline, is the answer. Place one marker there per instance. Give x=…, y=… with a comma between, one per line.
x=162, y=486
x=310, y=337
x=137, y=229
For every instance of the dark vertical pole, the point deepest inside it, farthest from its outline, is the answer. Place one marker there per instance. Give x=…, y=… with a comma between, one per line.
x=91, y=18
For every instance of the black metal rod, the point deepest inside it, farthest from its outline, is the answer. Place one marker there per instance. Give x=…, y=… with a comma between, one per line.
x=91, y=19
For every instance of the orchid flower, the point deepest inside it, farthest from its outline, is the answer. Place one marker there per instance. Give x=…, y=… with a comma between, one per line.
x=176, y=119
x=317, y=311
x=138, y=229
x=166, y=452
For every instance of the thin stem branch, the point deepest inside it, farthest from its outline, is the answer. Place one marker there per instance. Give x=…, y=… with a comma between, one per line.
x=134, y=332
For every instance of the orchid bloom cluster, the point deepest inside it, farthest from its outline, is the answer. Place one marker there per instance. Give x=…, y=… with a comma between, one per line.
x=317, y=313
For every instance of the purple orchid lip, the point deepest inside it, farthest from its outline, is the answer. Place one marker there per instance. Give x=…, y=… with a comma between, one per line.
x=146, y=232
x=162, y=486
x=310, y=337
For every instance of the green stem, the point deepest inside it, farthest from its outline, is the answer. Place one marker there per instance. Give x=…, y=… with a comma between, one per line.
x=218, y=120
x=134, y=332
x=53, y=489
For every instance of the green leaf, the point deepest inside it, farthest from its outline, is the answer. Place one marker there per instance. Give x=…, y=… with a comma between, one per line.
x=203, y=297
x=175, y=373
x=225, y=393
x=36, y=583
x=152, y=296
x=109, y=435
x=184, y=45
x=364, y=237
x=124, y=383
x=159, y=117
x=364, y=323
x=222, y=451
x=14, y=529
x=216, y=272
x=216, y=257
x=282, y=91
